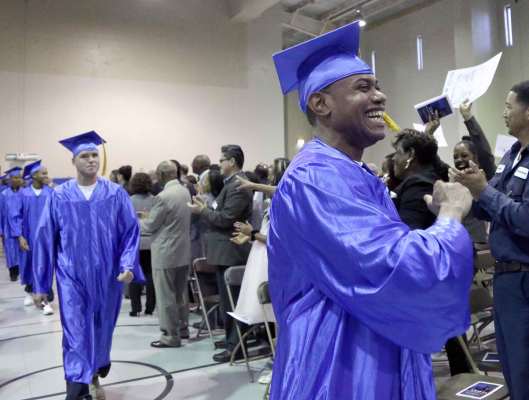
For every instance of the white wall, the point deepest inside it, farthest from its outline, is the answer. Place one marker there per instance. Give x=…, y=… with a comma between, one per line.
x=456, y=34
x=157, y=79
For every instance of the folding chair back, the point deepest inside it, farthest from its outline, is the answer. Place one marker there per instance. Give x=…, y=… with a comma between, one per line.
x=480, y=299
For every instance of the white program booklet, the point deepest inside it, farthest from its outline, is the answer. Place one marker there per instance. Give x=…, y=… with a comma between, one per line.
x=479, y=390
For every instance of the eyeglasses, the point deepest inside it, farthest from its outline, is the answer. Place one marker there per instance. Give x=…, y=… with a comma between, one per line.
x=223, y=159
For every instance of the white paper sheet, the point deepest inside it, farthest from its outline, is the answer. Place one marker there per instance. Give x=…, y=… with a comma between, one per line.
x=470, y=83
x=503, y=144
x=438, y=134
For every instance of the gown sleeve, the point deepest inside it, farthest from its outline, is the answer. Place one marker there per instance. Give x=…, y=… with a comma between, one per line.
x=45, y=247
x=15, y=216
x=410, y=286
x=1, y=214
x=129, y=237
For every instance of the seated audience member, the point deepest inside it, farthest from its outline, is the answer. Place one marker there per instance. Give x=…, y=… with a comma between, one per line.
x=140, y=189
x=416, y=165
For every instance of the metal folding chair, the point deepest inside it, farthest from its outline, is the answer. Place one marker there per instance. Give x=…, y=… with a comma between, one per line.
x=481, y=313
x=264, y=298
x=448, y=389
x=201, y=266
x=233, y=277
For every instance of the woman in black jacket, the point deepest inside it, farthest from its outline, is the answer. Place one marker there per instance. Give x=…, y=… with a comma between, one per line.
x=417, y=166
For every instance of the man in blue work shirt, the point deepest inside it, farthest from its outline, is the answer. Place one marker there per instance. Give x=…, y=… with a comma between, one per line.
x=505, y=202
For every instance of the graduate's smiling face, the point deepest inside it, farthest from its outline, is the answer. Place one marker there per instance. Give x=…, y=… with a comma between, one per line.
x=354, y=106
x=87, y=163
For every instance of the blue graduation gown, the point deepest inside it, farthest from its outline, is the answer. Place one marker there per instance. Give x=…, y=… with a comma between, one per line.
x=10, y=200
x=361, y=300
x=88, y=243
x=24, y=217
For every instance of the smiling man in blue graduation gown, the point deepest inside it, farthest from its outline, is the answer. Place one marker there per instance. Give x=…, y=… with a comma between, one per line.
x=10, y=197
x=361, y=300
x=89, y=235
x=24, y=217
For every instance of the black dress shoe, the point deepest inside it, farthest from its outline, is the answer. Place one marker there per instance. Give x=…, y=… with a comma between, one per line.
x=225, y=356
x=134, y=314
x=220, y=344
x=184, y=334
x=159, y=345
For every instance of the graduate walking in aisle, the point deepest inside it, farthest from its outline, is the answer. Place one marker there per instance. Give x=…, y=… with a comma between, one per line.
x=89, y=235
x=9, y=198
x=23, y=217
x=361, y=300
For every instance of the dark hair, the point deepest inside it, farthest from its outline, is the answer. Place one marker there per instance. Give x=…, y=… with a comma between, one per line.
x=233, y=151
x=522, y=92
x=216, y=181
x=191, y=179
x=178, y=168
x=216, y=167
x=252, y=176
x=280, y=166
x=470, y=145
x=184, y=169
x=140, y=183
x=261, y=171
x=200, y=163
x=424, y=145
x=126, y=172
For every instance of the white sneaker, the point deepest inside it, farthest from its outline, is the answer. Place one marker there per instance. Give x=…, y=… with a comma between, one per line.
x=28, y=300
x=265, y=378
x=96, y=391
x=47, y=309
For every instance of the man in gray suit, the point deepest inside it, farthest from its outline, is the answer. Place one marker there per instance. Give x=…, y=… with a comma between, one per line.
x=233, y=205
x=168, y=223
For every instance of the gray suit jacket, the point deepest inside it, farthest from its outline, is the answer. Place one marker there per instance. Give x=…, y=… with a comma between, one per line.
x=232, y=205
x=168, y=222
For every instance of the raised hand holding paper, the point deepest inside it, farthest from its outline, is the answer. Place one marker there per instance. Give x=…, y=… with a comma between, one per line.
x=470, y=83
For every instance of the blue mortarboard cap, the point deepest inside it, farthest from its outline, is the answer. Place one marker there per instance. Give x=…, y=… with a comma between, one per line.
x=84, y=142
x=316, y=63
x=13, y=172
x=31, y=168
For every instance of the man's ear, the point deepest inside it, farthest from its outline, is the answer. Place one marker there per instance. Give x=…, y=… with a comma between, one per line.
x=319, y=104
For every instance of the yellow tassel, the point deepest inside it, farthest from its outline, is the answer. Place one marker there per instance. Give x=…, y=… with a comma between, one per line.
x=391, y=123
x=104, y=169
